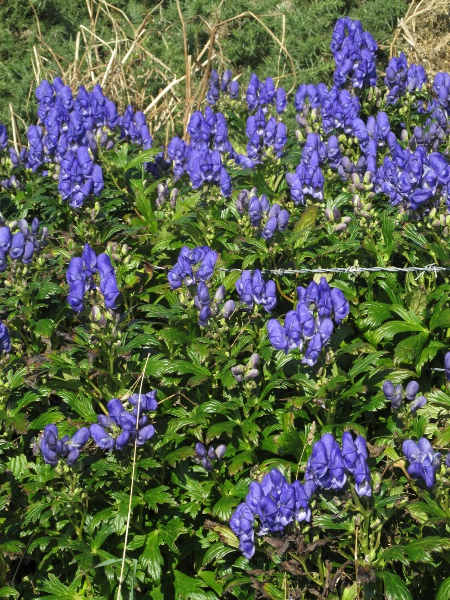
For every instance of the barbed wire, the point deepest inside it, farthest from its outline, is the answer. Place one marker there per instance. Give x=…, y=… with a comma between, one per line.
x=431, y=268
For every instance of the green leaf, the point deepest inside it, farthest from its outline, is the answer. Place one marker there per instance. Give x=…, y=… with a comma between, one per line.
x=44, y=328
x=47, y=289
x=442, y=320
x=158, y=495
x=308, y=218
x=392, y=328
x=443, y=591
x=142, y=157
x=420, y=550
x=216, y=551
x=8, y=592
x=394, y=587
x=80, y=403
x=273, y=592
x=151, y=557
x=144, y=206
x=184, y=367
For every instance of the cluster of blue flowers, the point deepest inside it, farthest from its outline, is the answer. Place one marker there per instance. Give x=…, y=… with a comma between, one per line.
x=54, y=448
x=208, y=308
x=277, y=219
x=202, y=158
x=206, y=457
x=247, y=372
x=262, y=94
x=354, y=51
x=329, y=466
x=394, y=394
x=201, y=257
x=84, y=120
x=115, y=430
x=311, y=321
x=79, y=177
x=227, y=86
x=308, y=179
x=120, y=426
x=5, y=340
x=262, y=134
x=22, y=244
x=423, y=461
x=80, y=274
x=400, y=78
x=276, y=503
x=253, y=289
x=413, y=177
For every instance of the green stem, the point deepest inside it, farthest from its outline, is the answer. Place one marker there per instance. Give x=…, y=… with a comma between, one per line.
x=308, y=574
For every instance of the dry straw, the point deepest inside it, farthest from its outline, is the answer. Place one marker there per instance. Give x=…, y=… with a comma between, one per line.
x=424, y=35
x=117, y=63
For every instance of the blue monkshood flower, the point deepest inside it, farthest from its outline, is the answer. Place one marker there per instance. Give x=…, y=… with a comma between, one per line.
x=17, y=246
x=234, y=90
x=75, y=270
x=242, y=524
x=5, y=238
x=253, y=289
x=2, y=260
x=423, y=460
x=5, y=340
x=3, y=136
x=281, y=101
x=28, y=252
x=101, y=437
x=355, y=458
x=447, y=460
x=76, y=443
x=145, y=402
x=326, y=466
x=109, y=289
x=75, y=297
x=313, y=350
x=104, y=265
x=226, y=79
x=447, y=365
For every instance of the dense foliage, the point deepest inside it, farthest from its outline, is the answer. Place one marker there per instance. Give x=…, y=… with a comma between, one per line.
x=223, y=372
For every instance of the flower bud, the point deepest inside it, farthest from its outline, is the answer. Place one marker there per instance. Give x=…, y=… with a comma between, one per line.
x=220, y=451
x=419, y=402
x=411, y=390
x=206, y=464
x=253, y=361
x=200, y=449
x=228, y=308
x=219, y=296
x=96, y=313
x=251, y=374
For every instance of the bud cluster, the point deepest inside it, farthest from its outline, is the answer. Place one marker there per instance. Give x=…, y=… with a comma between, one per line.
x=423, y=461
x=253, y=289
x=248, y=372
x=205, y=457
x=395, y=393
x=22, y=244
x=276, y=218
